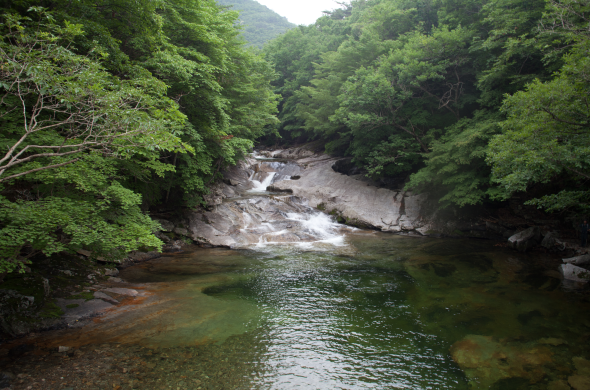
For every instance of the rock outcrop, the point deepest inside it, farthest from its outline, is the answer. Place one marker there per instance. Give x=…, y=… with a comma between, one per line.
x=526, y=239
x=354, y=199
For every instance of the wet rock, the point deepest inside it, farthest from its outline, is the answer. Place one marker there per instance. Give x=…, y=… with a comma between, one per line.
x=123, y=291
x=358, y=202
x=111, y=272
x=181, y=231
x=115, y=279
x=62, y=349
x=579, y=382
x=486, y=361
x=105, y=297
x=84, y=309
x=578, y=260
x=574, y=273
x=582, y=365
x=144, y=256
x=525, y=240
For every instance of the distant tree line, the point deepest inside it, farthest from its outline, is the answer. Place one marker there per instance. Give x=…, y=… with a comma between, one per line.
x=259, y=23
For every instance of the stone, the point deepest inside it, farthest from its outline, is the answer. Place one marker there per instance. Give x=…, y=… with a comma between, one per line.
x=84, y=252
x=105, y=297
x=181, y=231
x=66, y=272
x=579, y=382
x=575, y=273
x=85, y=309
x=582, y=365
x=115, y=279
x=123, y=291
x=577, y=260
x=550, y=240
x=111, y=272
x=358, y=202
x=144, y=256
x=486, y=361
x=525, y=240
x=62, y=348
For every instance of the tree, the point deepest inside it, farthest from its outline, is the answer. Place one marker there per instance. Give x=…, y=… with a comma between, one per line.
x=546, y=135
x=68, y=128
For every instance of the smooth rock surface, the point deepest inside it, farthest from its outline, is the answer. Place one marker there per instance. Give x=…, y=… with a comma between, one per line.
x=575, y=273
x=358, y=202
x=577, y=260
x=525, y=240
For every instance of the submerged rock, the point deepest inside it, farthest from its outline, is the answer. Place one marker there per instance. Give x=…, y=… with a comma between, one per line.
x=486, y=361
x=579, y=382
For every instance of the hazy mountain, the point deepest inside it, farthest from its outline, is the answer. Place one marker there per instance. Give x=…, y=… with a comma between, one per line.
x=260, y=23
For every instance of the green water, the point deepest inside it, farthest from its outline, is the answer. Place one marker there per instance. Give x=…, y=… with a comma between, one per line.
x=383, y=312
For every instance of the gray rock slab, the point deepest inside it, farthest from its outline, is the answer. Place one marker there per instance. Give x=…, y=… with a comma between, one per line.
x=144, y=256
x=123, y=291
x=578, y=260
x=575, y=273
x=361, y=203
x=105, y=297
x=523, y=241
x=85, y=309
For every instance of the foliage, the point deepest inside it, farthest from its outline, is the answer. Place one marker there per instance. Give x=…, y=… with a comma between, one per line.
x=110, y=108
x=260, y=24
x=433, y=92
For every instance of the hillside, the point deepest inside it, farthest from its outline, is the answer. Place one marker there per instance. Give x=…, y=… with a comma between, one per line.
x=261, y=24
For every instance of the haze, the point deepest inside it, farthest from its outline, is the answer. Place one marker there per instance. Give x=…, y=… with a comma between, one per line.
x=301, y=11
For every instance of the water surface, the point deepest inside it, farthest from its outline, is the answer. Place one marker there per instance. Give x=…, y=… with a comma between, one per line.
x=381, y=311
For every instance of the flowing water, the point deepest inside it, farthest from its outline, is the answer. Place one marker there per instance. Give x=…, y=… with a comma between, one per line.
x=352, y=309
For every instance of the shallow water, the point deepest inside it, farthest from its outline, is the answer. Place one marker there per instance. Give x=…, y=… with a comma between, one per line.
x=381, y=311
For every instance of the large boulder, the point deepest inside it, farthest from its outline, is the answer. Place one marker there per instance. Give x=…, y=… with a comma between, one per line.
x=526, y=239
x=578, y=260
x=354, y=199
x=575, y=273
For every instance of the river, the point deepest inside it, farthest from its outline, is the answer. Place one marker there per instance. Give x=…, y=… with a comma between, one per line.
x=348, y=309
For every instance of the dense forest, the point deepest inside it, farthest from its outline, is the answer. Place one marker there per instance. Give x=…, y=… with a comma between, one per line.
x=470, y=101
x=111, y=107
x=260, y=24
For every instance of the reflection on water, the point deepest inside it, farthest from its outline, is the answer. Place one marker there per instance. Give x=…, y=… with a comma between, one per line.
x=389, y=312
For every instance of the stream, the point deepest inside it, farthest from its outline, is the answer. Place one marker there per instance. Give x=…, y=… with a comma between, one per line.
x=342, y=308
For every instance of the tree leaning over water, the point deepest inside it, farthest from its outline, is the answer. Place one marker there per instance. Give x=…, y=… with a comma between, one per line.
x=111, y=108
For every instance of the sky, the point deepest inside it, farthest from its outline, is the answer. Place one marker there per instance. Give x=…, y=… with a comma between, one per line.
x=300, y=11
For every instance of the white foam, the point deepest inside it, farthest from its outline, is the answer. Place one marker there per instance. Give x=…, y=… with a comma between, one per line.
x=261, y=186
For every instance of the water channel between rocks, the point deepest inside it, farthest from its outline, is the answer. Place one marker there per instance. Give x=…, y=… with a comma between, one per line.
x=346, y=309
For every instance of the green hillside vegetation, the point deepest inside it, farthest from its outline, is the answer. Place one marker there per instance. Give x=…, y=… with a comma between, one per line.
x=467, y=100
x=259, y=23
x=110, y=108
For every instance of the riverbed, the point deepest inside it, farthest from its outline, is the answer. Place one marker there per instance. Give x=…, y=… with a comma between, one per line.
x=375, y=311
